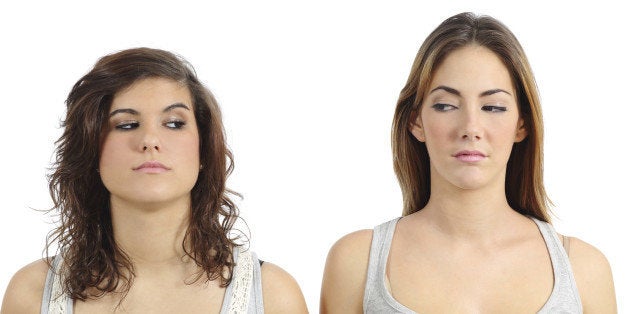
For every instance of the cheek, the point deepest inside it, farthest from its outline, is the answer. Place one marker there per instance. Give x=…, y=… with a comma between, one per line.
x=187, y=147
x=438, y=136
x=503, y=135
x=193, y=148
x=508, y=129
x=112, y=162
x=436, y=130
x=110, y=151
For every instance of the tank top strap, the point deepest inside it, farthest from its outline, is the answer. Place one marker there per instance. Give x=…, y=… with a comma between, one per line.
x=564, y=297
x=378, y=258
x=244, y=293
x=54, y=300
x=256, y=301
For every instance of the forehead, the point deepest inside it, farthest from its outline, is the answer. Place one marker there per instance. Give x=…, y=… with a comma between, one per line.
x=154, y=92
x=472, y=68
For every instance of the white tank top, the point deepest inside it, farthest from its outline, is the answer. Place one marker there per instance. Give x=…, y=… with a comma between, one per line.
x=243, y=295
x=377, y=299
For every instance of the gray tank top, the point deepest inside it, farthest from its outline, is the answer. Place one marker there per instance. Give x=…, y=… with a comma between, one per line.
x=377, y=299
x=243, y=295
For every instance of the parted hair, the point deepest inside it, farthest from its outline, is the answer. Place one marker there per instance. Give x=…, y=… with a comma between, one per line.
x=524, y=190
x=94, y=264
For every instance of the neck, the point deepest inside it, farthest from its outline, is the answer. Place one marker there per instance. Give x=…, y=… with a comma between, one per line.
x=151, y=234
x=477, y=214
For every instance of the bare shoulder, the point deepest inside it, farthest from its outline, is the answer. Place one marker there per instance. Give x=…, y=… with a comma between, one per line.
x=351, y=252
x=281, y=292
x=26, y=288
x=344, y=278
x=593, y=277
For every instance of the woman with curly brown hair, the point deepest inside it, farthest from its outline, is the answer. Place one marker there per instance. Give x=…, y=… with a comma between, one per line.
x=145, y=215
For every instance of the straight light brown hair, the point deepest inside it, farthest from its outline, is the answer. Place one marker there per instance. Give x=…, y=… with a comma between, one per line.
x=525, y=191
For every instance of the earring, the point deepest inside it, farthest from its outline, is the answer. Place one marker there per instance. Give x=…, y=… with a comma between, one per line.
x=201, y=167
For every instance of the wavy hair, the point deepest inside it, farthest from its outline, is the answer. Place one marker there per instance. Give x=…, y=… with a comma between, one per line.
x=525, y=191
x=94, y=264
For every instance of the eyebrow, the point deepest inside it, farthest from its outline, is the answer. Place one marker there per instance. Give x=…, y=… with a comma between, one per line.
x=447, y=89
x=493, y=91
x=177, y=105
x=135, y=112
x=125, y=110
x=457, y=92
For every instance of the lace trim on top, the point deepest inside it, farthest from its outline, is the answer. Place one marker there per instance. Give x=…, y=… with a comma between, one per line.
x=242, y=283
x=58, y=300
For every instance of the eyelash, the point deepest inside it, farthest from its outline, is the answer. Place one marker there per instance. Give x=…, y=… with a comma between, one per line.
x=494, y=108
x=127, y=126
x=178, y=124
x=443, y=107
x=447, y=107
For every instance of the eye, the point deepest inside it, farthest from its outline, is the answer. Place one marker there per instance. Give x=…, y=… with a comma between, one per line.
x=443, y=107
x=174, y=124
x=127, y=125
x=494, y=108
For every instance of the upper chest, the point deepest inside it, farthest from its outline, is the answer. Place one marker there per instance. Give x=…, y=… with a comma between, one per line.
x=431, y=278
x=199, y=297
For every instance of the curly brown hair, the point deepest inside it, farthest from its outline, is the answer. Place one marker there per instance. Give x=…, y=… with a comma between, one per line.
x=93, y=263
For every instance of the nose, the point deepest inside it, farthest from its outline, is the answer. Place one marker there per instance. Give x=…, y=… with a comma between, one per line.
x=147, y=147
x=471, y=128
x=150, y=141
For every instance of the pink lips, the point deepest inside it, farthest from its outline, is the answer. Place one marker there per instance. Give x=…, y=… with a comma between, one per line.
x=469, y=156
x=151, y=167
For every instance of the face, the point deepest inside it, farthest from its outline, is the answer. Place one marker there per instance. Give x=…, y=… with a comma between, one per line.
x=469, y=119
x=150, y=151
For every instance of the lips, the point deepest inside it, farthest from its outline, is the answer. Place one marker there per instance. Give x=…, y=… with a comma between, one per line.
x=470, y=156
x=151, y=167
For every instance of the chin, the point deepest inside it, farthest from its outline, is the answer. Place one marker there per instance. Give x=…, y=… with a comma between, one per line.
x=152, y=195
x=474, y=181
x=467, y=181
x=470, y=186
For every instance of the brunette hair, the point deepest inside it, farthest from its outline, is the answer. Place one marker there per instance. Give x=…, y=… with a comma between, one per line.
x=93, y=263
x=525, y=191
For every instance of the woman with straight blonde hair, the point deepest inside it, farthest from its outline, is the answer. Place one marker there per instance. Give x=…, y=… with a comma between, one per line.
x=475, y=233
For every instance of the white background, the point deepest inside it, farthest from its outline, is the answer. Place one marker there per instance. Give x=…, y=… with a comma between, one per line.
x=308, y=92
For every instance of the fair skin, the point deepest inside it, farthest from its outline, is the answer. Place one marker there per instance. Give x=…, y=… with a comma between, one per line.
x=469, y=121
x=153, y=121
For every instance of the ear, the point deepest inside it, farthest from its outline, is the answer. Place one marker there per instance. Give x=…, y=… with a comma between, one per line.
x=522, y=132
x=416, y=128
